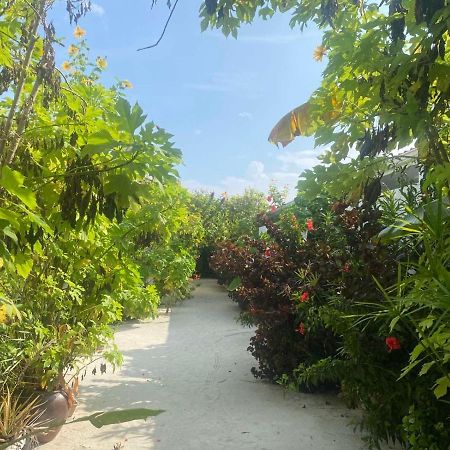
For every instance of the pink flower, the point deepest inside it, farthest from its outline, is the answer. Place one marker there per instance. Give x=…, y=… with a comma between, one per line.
x=304, y=297
x=301, y=329
x=310, y=225
x=392, y=343
x=273, y=208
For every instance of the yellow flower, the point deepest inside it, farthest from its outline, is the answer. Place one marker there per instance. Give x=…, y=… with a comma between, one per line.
x=87, y=81
x=66, y=66
x=73, y=50
x=126, y=84
x=79, y=32
x=101, y=63
x=319, y=53
x=3, y=315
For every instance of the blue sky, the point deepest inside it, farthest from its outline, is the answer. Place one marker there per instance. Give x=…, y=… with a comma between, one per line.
x=219, y=97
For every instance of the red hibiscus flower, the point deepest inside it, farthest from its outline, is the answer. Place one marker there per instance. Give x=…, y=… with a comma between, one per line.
x=392, y=343
x=346, y=268
x=267, y=253
x=310, y=225
x=273, y=208
x=301, y=329
x=304, y=297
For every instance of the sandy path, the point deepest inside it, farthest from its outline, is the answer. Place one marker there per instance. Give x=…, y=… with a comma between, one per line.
x=194, y=364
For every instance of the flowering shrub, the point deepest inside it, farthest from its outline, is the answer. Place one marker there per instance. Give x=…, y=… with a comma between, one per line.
x=285, y=280
x=313, y=288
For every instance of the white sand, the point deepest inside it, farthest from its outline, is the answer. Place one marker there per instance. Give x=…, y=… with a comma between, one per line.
x=193, y=363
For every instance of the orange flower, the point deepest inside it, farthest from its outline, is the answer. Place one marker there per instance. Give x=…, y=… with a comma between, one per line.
x=79, y=32
x=319, y=53
x=101, y=62
x=126, y=84
x=73, y=50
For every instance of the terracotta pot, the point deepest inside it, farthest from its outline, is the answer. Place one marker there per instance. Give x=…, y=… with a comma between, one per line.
x=54, y=411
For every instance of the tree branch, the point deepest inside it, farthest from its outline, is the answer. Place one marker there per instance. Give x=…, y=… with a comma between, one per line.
x=164, y=29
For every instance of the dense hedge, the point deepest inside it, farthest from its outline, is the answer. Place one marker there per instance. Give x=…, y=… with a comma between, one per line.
x=312, y=287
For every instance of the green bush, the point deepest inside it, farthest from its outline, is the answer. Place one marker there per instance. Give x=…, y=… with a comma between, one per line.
x=324, y=319
x=83, y=176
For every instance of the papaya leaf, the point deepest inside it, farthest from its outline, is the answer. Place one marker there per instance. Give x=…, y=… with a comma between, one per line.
x=23, y=264
x=426, y=367
x=119, y=183
x=10, y=217
x=13, y=181
x=131, y=118
x=442, y=385
x=38, y=220
x=295, y=123
x=235, y=283
x=303, y=121
x=102, y=418
x=100, y=141
x=7, y=231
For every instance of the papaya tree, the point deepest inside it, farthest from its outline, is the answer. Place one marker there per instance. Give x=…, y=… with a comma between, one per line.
x=77, y=164
x=386, y=84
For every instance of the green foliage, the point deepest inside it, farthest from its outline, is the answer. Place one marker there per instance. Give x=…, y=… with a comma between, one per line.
x=226, y=218
x=385, y=84
x=313, y=288
x=167, y=253
x=423, y=295
x=88, y=187
x=229, y=217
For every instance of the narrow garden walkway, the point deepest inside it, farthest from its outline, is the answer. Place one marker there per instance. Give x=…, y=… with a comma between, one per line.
x=193, y=364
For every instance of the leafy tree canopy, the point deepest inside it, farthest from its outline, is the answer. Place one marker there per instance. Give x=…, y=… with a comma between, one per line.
x=386, y=84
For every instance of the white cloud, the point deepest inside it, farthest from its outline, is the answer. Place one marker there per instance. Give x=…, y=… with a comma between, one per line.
x=245, y=115
x=259, y=178
x=194, y=185
x=284, y=171
x=298, y=160
x=97, y=9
